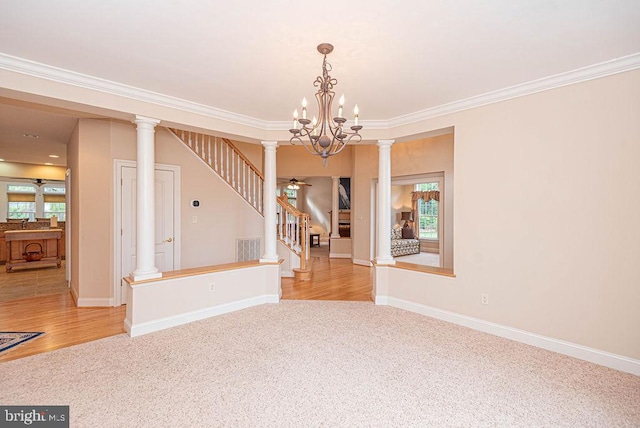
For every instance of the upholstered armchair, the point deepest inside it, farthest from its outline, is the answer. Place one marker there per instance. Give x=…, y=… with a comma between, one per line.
x=402, y=246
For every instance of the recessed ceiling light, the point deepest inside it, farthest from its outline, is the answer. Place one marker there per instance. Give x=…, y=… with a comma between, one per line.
x=48, y=163
x=31, y=135
x=54, y=156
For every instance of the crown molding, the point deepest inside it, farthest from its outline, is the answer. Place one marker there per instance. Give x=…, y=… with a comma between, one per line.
x=48, y=72
x=603, y=69
x=43, y=71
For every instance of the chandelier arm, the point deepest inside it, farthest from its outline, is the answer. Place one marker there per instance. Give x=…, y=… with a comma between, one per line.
x=344, y=143
x=305, y=144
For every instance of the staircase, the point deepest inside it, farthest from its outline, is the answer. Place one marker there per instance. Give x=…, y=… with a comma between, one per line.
x=293, y=231
x=228, y=162
x=224, y=158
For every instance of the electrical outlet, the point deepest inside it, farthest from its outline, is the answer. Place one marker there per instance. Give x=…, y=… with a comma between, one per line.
x=194, y=219
x=212, y=287
x=484, y=299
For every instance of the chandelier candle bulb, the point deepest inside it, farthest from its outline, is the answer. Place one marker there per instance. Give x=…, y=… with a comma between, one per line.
x=295, y=119
x=341, y=104
x=355, y=115
x=304, y=108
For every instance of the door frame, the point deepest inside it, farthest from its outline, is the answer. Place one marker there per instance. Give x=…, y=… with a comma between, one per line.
x=118, y=164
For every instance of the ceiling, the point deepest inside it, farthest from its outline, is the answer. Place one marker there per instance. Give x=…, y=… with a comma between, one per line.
x=258, y=59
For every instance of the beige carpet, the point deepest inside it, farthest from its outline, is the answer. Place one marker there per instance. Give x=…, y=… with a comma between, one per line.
x=312, y=363
x=426, y=259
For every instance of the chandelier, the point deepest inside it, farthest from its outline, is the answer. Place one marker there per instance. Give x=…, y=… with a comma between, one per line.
x=324, y=135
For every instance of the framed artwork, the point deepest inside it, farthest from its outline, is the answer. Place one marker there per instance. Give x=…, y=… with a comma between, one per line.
x=344, y=189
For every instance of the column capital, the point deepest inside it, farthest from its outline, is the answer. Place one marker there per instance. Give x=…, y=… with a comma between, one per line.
x=335, y=177
x=143, y=120
x=269, y=144
x=385, y=143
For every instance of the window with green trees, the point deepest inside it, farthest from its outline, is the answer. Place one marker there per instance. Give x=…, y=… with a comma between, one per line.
x=427, y=213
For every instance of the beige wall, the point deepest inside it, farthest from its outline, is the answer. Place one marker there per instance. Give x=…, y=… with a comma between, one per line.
x=408, y=159
x=400, y=201
x=73, y=211
x=223, y=216
x=253, y=152
x=295, y=161
x=88, y=156
x=31, y=171
x=546, y=203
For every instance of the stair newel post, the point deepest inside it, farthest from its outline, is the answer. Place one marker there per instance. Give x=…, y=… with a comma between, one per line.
x=303, y=244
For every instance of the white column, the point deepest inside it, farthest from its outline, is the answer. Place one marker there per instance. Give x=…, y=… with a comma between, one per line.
x=145, y=200
x=384, y=203
x=39, y=202
x=335, y=208
x=269, y=202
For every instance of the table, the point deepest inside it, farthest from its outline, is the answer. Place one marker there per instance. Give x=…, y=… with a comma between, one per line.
x=17, y=240
x=315, y=239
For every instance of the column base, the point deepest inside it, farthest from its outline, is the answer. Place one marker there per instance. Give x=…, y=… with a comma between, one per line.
x=140, y=276
x=335, y=236
x=269, y=259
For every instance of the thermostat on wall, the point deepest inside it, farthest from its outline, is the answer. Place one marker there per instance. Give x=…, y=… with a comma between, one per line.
x=195, y=203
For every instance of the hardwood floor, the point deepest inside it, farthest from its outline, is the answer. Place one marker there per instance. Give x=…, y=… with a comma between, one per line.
x=332, y=279
x=65, y=324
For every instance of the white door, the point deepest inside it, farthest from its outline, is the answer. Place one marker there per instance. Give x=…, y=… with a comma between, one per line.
x=164, y=222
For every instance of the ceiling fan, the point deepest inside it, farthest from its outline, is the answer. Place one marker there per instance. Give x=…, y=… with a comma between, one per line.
x=38, y=182
x=294, y=183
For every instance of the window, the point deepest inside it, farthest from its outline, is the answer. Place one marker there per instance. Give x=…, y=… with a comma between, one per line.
x=21, y=202
x=11, y=188
x=428, y=223
x=54, y=208
x=54, y=202
x=25, y=210
x=292, y=195
x=24, y=201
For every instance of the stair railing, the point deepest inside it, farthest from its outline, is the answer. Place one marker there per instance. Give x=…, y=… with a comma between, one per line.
x=293, y=229
x=228, y=162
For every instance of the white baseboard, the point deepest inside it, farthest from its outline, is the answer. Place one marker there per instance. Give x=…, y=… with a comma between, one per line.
x=127, y=327
x=614, y=361
x=362, y=262
x=286, y=274
x=176, y=320
x=339, y=256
